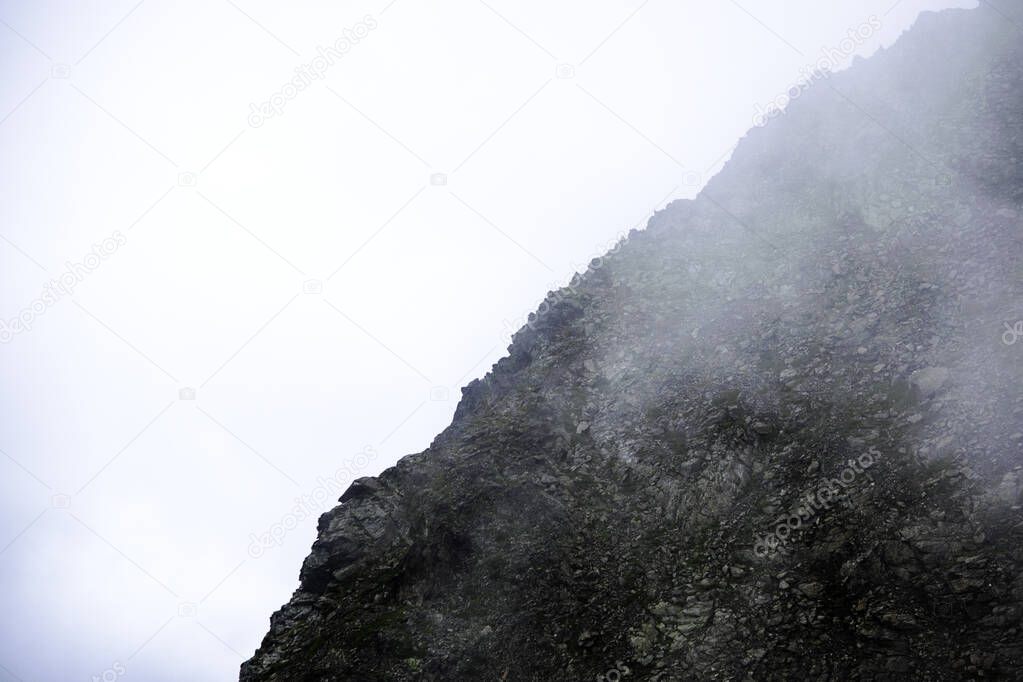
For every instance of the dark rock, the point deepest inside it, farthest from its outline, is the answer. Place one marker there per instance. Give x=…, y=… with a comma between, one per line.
x=774, y=436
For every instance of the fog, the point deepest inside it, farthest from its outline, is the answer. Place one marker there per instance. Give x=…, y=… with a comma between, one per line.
x=252, y=250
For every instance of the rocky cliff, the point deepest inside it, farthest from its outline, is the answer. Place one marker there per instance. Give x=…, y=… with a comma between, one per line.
x=776, y=435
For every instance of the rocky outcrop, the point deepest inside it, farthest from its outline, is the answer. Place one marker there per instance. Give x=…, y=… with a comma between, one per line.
x=776, y=435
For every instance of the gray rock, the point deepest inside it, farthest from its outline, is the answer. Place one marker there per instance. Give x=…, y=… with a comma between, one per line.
x=929, y=380
x=621, y=493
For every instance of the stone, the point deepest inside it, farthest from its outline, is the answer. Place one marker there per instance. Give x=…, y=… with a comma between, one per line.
x=812, y=589
x=929, y=380
x=646, y=482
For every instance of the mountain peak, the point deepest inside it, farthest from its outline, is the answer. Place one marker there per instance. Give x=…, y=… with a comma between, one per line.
x=782, y=420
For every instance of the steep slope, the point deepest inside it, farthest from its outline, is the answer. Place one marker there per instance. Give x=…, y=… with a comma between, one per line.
x=775, y=435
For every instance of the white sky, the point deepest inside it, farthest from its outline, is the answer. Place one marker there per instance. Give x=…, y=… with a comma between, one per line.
x=108, y=113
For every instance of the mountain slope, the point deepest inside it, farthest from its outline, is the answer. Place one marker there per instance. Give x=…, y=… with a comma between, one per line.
x=775, y=435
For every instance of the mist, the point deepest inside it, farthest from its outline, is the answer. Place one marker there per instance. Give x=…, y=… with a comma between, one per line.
x=252, y=252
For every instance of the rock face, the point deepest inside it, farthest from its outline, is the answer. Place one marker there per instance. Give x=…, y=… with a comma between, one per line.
x=774, y=436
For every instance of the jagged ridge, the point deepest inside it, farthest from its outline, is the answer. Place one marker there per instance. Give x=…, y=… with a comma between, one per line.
x=604, y=497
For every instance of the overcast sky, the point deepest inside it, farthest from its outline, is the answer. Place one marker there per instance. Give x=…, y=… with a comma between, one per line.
x=246, y=244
